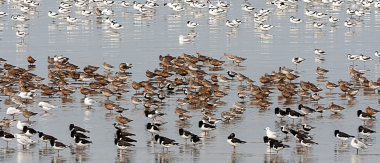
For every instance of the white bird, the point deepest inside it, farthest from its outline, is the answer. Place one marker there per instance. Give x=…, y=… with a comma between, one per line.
x=377, y=54
x=26, y=95
x=192, y=25
x=309, y=13
x=14, y=111
x=108, y=3
x=333, y=20
x=214, y=12
x=297, y=60
x=178, y=8
x=24, y=140
x=359, y=13
x=319, y=52
x=2, y=14
x=46, y=106
x=318, y=25
x=237, y=22
x=364, y=58
x=349, y=24
x=171, y=5
x=80, y=4
x=65, y=5
x=352, y=58
x=34, y=4
x=52, y=15
x=115, y=25
x=295, y=20
x=108, y=20
x=87, y=13
x=20, y=125
x=282, y=6
x=319, y=15
x=24, y=8
x=222, y=4
x=350, y=12
x=89, y=102
x=108, y=12
x=377, y=5
x=21, y=34
x=185, y=38
x=63, y=10
x=366, y=4
x=248, y=8
x=355, y=143
x=137, y=6
x=126, y=4
x=270, y=133
x=337, y=3
x=266, y=27
x=150, y=4
x=71, y=20
x=230, y=24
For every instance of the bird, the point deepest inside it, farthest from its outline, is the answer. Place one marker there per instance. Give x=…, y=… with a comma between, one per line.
x=82, y=142
x=74, y=134
x=305, y=109
x=307, y=127
x=29, y=132
x=349, y=24
x=342, y=136
x=152, y=129
x=45, y=138
x=89, y=102
x=370, y=110
x=192, y=25
x=14, y=111
x=28, y=114
x=78, y=129
x=293, y=114
x=270, y=133
x=185, y=134
x=352, y=58
x=6, y=136
x=333, y=20
x=24, y=140
x=365, y=131
x=285, y=130
x=185, y=38
x=297, y=60
x=195, y=140
x=234, y=141
x=364, y=58
x=307, y=143
x=119, y=126
x=364, y=116
x=21, y=35
x=248, y=8
x=279, y=112
x=355, y=143
x=46, y=106
x=20, y=125
x=206, y=127
x=71, y=19
x=277, y=146
x=266, y=27
x=295, y=20
x=121, y=144
x=58, y=145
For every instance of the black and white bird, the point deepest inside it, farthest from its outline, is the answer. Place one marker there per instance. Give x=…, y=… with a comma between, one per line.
x=165, y=142
x=319, y=52
x=285, y=130
x=234, y=141
x=119, y=126
x=58, y=145
x=279, y=112
x=124, y=134
x=365, y=131
x=152, y=129
x=195, y=140
x=53, y=15
x=46, y=138
x=185, y=134
x=364, y=116
x=121, y=144
x=277, y=146
x=231, y=74
x=295, y=20
x=82, y=142
x=352, y=58
x=297, y=60
x=342, y=136
x=74, y=134
x=318, y=25
x=293, y=114
x=307, y=127
x=152, y=114
x=6, y=136
x=349, y=24
x=206, y=127
x=266, y=27
x=305, y=109
x=267, y=140
x=29, y=132
x=78, y=129
x=248, y=8
x=333, y=20
x=307, y=143
x=192, y=25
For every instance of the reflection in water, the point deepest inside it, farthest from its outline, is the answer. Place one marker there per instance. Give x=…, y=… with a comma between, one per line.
x=7, y=153
x=163, y=157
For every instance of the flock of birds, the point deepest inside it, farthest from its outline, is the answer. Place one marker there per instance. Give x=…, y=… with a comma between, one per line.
x=103, y=8
x=199, y=91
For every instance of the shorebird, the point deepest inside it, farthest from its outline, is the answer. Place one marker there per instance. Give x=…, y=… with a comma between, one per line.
x=355, y=143
x=46, y=138
x=270, y=133
x=58, y=145
x=234, y=141
x=6, y=136
x=364, y=116
x=24, y=140
x=297, y=60
x=365, y=131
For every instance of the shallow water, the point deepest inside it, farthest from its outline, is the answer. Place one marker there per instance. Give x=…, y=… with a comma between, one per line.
x=145, y=37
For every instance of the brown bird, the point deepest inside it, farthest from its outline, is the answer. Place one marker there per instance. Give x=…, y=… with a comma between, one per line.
x=321, y=71
x=66, y=91
x=291, y=76
x=95, y=85
x=216, y=62
x=179, y=111
x=123, y=120
x=371, y=111
x=84, y=91
x=31, y=60
x=125, y=66
x=149, y=74
x=28, y=114
x=263, y=103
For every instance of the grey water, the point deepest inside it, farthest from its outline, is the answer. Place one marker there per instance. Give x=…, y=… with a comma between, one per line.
x=146, y=36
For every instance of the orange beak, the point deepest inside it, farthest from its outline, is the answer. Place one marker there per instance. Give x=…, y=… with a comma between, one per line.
x=142, y=113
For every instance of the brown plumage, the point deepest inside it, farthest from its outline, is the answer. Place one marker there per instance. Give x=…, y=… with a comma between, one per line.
x=321, y=71
x=371, y=111
x=84, y=91
x=123, y=120
x=28, y=114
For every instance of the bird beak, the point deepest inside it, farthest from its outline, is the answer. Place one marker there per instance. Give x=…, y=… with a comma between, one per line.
x=161, y=117
x=142, y=113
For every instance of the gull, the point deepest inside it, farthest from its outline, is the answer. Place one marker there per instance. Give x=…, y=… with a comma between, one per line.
x=20, y=125
x=71, y=20
x=53, y=15
x=21, y=35
x=87, y=13
x=89, y=102
x=24, y=140
x=295, y=20
x=270, y=133
x=192, y=25
x=355, y=143
x=248, y=8
x=46, y=106
x=333, y=20
x=14, y=111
